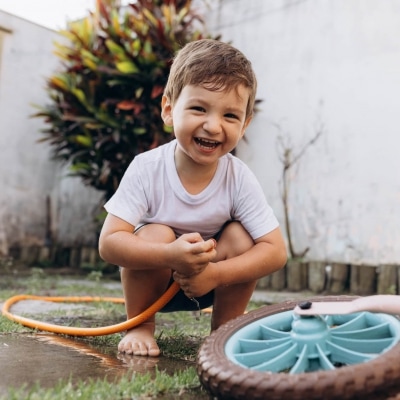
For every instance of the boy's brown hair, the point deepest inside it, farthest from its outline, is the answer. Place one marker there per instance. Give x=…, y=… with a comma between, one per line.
x=213, y=64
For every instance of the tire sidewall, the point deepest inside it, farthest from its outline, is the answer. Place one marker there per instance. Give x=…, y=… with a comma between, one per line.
x=227, y=380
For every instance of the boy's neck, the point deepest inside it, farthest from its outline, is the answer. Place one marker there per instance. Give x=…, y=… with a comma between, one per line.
x=194, y=177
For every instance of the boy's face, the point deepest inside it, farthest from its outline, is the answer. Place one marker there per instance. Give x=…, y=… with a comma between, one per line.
x=207, y=123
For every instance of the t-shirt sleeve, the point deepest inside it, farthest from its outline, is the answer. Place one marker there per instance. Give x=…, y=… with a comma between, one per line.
x=251, y=207
x=129, y=201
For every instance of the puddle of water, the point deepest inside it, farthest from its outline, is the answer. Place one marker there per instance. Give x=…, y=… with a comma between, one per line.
x=27, y=359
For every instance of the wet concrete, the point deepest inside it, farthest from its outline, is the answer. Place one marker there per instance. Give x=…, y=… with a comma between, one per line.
x=26, y=359
x=32, y=307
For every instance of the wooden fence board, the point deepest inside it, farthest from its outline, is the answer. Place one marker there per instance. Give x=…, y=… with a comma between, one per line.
x=278, y=279
x=387, y=279
x=316, y=276
x=296, y=275
x=363, y=280
x=338, y=278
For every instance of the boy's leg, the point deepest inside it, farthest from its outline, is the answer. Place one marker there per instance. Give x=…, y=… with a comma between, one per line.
x=231, y=301
x=141, y=289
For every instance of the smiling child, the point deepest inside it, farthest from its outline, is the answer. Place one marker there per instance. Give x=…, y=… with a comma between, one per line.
x=189, y=210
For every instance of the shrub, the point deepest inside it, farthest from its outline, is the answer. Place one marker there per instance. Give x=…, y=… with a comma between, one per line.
x=105, y=100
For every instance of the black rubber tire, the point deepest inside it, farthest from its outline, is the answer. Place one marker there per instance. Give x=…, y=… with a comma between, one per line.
x=223, y=379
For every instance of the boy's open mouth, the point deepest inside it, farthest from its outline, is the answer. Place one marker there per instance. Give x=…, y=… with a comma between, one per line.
x=208, y=144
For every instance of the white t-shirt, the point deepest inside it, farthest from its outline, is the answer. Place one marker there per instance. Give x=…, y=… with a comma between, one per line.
x=151, y=192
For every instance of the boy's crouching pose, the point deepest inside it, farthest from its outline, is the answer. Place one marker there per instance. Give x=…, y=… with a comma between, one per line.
x=189, y=211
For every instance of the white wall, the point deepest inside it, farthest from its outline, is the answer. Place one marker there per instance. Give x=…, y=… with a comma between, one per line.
x=329, y=62
x=336, y=64
x=27, y=176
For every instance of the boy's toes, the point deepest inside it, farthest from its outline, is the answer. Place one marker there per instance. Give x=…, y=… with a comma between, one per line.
x=140, y=342
x=154, y=351
x=138, y=348
x=123, y=348
x=146, y=349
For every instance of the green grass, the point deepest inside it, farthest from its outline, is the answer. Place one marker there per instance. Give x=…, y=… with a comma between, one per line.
x=179, y=336
x=133, y=386
x=7, y=326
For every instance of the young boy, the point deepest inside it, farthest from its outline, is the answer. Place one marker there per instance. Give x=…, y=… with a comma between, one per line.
x=189, y=211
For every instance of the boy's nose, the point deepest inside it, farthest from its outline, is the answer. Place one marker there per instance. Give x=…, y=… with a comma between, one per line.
x=213, y=125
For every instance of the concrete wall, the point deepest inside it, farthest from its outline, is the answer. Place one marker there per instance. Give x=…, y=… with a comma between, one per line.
x=37, y=201
x=330, y=65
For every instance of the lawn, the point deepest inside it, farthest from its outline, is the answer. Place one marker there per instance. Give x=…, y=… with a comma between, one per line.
x=179, y=335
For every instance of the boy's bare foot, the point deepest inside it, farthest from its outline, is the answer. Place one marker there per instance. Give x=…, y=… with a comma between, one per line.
x=140, y=341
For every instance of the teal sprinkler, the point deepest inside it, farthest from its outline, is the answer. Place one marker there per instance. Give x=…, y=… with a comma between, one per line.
x=318, y=336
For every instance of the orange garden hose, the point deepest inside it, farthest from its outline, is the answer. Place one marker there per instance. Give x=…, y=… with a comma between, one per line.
x=75, y=331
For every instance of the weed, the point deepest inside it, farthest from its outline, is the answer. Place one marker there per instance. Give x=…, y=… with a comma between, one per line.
x=95, y=276
x=7, y=326
x=6, y=263
x=130, y=386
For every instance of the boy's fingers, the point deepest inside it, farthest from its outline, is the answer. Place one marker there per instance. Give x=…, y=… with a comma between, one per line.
x=177, y=275
x=192, y=237
x=206, y=246
x=195, y=238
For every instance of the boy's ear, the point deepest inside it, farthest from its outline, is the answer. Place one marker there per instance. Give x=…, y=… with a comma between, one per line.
x=246, y=124
x=166, y=111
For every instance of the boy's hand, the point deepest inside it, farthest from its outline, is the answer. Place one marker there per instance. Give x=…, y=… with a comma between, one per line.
x=191, y=254
x=199, y=284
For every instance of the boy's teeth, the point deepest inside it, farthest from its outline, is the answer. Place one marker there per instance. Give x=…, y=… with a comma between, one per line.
x=206, y=143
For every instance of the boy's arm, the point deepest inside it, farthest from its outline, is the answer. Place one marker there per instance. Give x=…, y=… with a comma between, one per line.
x=118, y=245
x=265, y=257
x=268, y=255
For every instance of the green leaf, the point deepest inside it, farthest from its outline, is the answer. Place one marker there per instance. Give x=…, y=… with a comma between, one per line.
x=87, y=54
x=79, y=94
x=168, y=129
x=136, y=45
x=59, y=82
x=148, y=49
x=94, y=126
x=150, y=16
x=115, y=21
x=139, y=131
x=79, y=167
x=116, y=49
x=87, y=62
x=138, y=92
x=77, y=118
x=83, y=140
x=103, y=117
x=127, y=67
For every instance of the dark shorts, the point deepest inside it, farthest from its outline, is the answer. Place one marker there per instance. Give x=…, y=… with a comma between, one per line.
x=180, y=302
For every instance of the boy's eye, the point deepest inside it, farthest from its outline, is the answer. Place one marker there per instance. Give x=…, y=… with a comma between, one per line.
x=198, y=108
x=230, y=115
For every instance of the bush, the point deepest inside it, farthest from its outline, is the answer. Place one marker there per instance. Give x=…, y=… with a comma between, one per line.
x=105, y=101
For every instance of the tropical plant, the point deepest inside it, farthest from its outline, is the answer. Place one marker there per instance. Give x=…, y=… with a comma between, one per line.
x=105, y=100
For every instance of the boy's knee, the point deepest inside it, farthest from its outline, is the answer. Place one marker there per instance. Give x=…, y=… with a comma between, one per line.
x=156, y=233
x=235, y=240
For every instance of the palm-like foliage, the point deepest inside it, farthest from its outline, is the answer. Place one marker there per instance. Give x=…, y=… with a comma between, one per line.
x=105, y=101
